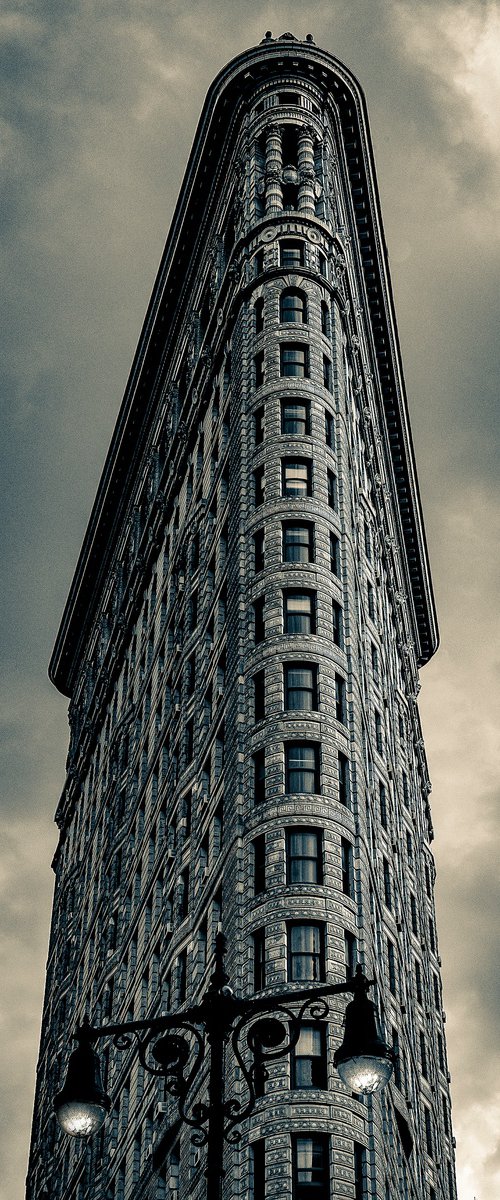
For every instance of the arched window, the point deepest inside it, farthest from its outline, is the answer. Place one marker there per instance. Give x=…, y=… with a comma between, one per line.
x=293, y=306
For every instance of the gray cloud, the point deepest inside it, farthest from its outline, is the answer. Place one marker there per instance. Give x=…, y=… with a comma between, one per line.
x=98, y=106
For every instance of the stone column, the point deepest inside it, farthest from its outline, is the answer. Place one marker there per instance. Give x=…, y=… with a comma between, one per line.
x=274, y=167
x=305, y=160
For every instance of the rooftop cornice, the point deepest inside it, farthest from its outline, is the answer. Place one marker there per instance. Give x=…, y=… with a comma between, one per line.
x=212, y=151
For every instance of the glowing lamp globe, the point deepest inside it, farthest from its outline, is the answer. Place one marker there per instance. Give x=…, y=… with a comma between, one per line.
x=82, y=1105
x=364, y=1062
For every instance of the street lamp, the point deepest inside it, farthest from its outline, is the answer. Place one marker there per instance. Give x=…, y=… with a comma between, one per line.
x=174, y=1047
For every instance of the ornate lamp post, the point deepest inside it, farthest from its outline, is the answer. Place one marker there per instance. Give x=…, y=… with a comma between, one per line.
x=177, y=1044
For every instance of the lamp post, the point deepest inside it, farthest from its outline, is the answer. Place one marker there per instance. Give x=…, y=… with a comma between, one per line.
x=177, y=1044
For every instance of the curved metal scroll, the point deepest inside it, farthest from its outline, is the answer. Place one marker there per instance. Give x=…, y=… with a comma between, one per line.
x=265, y=1044
x=171, y=1052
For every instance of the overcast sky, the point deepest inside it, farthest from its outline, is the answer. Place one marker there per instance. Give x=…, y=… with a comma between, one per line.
x=100, y=100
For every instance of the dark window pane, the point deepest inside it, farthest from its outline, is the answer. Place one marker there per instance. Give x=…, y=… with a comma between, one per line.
x=296, y=477
x=298, y=543
x=259, y=864
x=291, y=254
x=305, y=953
x=293, y=306
x=300, y=687
x=259, y=315
x=259, y=625
x=259, y=540
x=259, y=959
x=310, y=1167
x=294, y=360
x=259, y=762
x=302, y=767
x=304, y=855
x=299, y=612
x=259, y=485
x=308, y=1059
x=258, y=426
x=295, y=417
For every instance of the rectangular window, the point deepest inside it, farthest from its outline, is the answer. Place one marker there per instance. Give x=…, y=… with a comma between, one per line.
x=294, y=360
x=258, y=425
x=259, y=691
x=351, y=953
x=258, y=310
x=418, y=981
x=428, y=1131
x=306, y=953
x=259, y=628
x=382, y=793
x=331, y=482
x=414, y=915
x=301, y=690
x=308, y=1058
x=371, y=601
x=302, y=768
x=340, y=699
x=379, y=743
x=259, y=776
x=259, y=543
x=334, y=554
x=183, y=894
x=258, y=369
x=257, y=1169
x=299, y=612
x=360, y=1180
x=304, y=855
x=344, y=780
x=423, y=1055
x=375, y=664
x=182, y=976
x=259, y=864
x=327, y=373
x=347, y=868
x=310, y=1167
x=325, y=319
x=259, y=959
x=259, y=486
x=329, y=429
x=397, y=1059
x=368, y=540
x=338, y=624
x=291, y=255
x=296, y=477
x=296, y=417
x=387, y=883
x=391, y=967
x=298, y=541
x=258, y=262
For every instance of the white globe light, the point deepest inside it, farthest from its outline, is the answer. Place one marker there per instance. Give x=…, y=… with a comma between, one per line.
x=80, y=1118
x=365, y=1073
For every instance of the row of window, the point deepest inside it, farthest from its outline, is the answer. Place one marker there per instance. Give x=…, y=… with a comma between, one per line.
x=310, y=1168
x=301, y=692
x=305, y=953
x=304, y=859
x=295, y=421
x=294, y=363
x=296, y=480
x=302, y=772
x=293, y=309
x=297, y=545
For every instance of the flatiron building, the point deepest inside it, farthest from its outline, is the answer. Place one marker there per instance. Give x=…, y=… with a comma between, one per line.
x=241, y=650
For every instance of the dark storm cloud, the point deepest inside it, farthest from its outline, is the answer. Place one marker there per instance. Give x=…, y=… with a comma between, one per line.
x=99, y=103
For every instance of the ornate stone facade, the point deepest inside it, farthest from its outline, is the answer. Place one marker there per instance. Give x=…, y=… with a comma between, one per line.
x=241, y=648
